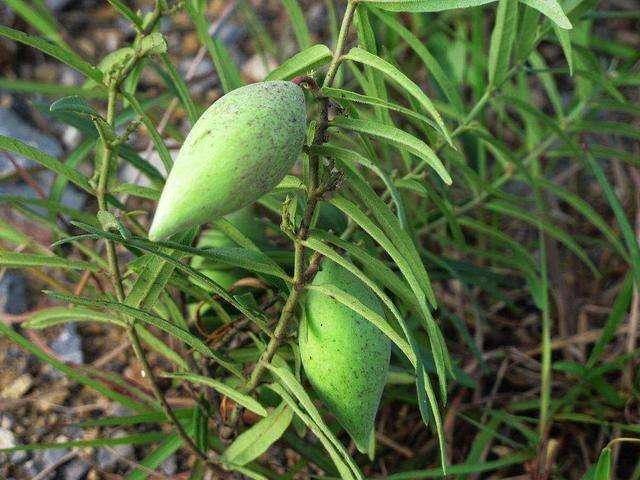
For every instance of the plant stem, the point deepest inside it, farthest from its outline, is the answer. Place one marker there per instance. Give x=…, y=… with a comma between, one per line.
x=302, y=276
x=342, y=37
x=166, y=408
x=101, y=194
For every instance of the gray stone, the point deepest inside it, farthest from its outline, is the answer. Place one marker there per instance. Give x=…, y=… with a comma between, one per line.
x=13, y=293
x=68, y=345
x=231, y=34
x=46, y=458
x=170, y=466
x=108, y=458
x=75, y=470
x=51, y=456
x=73, y=198
x=6, y=420
x=8, y=440
x=12, y=125
x=317, y=18
x=58, y=5
x=30, y=469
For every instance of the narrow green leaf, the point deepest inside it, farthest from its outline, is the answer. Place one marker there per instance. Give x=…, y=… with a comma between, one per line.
x=404, y=83
x=425, y=5
x=431, y=63
x=65, y=56
x=286, y=379
x=240, y=398
x=340, y=94
x=181, y=88
x=72, y=373
x=337, y=456
x=145, y=317
x=165, y=156
x=302, y=62
x=502, y=39
x=225, y=68
x=57, y=315
x=565, y=42
x=75, y=104
x=551, y=9
x=603, y=467
x=611, y=196
x=126, y=12
x=253, y=442
x=398, y=137
x=16, y=146
x=298, y=23
x=355, y=158
x=616, y=316
x=171, y=443
x=159, y=346
x=38, y=21
x=32, y=260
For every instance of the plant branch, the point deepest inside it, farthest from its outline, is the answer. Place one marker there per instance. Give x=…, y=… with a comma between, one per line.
x=302, y=276
x=166, y=408
x=101, y=194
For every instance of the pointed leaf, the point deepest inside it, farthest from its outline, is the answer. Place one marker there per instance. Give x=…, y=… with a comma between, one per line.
x=404, y=83
x=398, y=137
x=302, y=62
x=253, y=442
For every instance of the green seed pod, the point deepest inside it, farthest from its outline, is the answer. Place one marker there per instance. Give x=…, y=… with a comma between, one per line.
x=345, y=357
x=238, y=150
x=225, y=276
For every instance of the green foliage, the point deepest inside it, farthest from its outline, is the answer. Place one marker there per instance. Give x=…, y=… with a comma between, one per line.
x=452, y=164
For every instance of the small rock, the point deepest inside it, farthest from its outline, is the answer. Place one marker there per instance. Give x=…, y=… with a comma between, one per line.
x=8, y=440
x=75, y=470
x=68, y=345
x=129, y=174
x=255, y=68
x=46, y=458
x=30, y=469
x=6, y=421
x=73, y=198
x=71, y=137
x=17, y=388
x=57, y=5
x=231, y=34
x=317, y=18
x=12, y=125
x=13, y=293
x=170, y=466
x=52, y=456
x=107, y=458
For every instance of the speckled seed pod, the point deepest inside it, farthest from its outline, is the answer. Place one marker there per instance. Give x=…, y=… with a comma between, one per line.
x=345, y=357
x=238, y=150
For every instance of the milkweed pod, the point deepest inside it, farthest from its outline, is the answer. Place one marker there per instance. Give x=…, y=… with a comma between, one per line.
x=239, y=149
x=246, y=222
x=345, y=357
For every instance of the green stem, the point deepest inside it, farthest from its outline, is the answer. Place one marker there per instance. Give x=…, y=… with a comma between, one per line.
x=101, y=194
x=166, y=408
x=301, y=276
x=342, y=37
